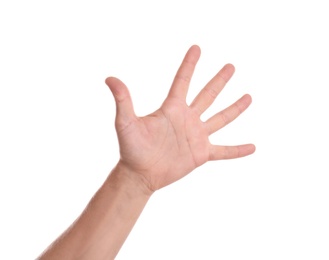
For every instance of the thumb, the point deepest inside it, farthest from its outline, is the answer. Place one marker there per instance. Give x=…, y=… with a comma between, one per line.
x=124, y=106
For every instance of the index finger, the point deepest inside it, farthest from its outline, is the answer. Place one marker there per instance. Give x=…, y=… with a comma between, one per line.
x=184, y=74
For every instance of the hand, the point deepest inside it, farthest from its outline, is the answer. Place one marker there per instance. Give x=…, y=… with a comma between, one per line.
x=166, y=145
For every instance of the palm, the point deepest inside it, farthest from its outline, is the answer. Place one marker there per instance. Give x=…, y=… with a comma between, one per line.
x=169, y=143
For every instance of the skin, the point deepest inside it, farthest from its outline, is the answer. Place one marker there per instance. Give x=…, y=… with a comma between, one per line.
x=155, y=151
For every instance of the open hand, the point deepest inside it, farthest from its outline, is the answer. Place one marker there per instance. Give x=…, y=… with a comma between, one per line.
x=167, y=144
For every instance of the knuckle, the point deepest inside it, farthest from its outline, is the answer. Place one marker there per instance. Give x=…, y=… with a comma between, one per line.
x=211, y=92
x=183, y=78
x=224, y=118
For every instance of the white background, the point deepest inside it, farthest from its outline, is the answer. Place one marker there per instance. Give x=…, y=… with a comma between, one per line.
x=58, y=143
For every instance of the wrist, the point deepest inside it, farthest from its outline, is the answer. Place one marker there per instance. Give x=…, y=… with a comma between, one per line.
x=133, y=183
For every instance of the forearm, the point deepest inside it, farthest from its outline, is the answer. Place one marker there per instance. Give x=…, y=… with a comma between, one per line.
x=106, y=222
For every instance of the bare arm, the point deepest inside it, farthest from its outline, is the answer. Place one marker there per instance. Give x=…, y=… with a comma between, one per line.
x=156, y=150
x=106, y=222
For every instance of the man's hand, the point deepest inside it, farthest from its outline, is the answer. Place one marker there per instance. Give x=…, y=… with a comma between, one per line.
x=171, y=142
x=156, y=150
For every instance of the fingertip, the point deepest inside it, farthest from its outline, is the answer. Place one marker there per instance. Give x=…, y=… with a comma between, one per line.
x=252, y=148
x=196, y=47
x=247, y=149
x=195, y=50
x=118, y=88
x=248, y=98
x=230, y=67
x=111, y=81
x=226, y=72
x=106, y=80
